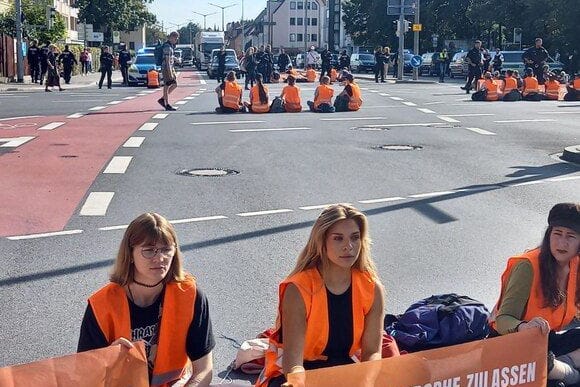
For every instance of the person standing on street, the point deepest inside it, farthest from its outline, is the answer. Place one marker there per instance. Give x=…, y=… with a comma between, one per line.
x=326, y=57
x=106, y=67
x=387, y=54
x=68, y=60
x=535, y=58
x=43, y=60
x=311, y=58
x=283, y=61
x=33, y=57
x=497, y=61
x=124, y=59
x=221, y=60
x=443, y=64
x=267, y=64
x=169, y=74
x=53, y=76
x=474, y=62
x=379, y=64
x=84, y=59
x=250, y=62
x=344, y=61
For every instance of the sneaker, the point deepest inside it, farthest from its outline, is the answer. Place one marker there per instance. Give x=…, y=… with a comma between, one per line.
x=47, y=90
x=463, y=88
x=168, y=107
x=161, y=102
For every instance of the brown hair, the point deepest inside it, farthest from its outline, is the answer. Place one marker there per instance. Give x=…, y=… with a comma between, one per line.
x=231, y=76
x=291, y=80
x=149, y=228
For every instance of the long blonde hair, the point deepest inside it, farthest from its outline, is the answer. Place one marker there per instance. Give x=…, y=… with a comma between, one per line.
x=314, y=253
x=150, y=228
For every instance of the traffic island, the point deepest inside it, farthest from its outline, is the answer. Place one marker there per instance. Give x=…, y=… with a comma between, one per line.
x=572, y=154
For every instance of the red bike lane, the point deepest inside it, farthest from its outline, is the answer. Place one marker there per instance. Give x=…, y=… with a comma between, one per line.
x=45, y=179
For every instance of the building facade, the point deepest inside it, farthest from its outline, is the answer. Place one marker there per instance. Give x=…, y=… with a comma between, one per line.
x=70, y=13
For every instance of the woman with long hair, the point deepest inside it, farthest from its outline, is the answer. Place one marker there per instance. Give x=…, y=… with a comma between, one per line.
x=151, y=298
x=53, y=75
x=540, y=290
x=259, y=101
x=331, y=305
x=291, y=96
x=250, y=64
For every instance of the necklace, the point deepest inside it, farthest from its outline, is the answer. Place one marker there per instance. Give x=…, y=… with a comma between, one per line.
x=147, y=286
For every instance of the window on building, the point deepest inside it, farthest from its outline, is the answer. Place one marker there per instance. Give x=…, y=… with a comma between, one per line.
x=308, y=21
x=300, y=37
x=300, y=21
x=314, y=21
x=292, y=21
x=292, y=37
x=308, y=5
x=314, y=38
x=300, y=5
x=314, y=6
x=292, y=5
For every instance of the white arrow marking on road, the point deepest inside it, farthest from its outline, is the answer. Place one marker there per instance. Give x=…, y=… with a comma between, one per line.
x=353, y=119
x=97, y=108
x=118, y=164
x=226, y=122
x=448, y=119
x=382, y=200
x=160, y=116
x=149, y=126
x=481, y=131
x=76, y=115
x=97, y=204
x=133, y=142
x=409, y=104
x=15, y=141
x=517, y=121
x=266, y=130
x=51, y=126
x=18, y=118
x=268, y=212
x=44, y=235
x=428, y=111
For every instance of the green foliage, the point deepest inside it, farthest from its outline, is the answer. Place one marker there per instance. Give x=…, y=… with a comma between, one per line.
x=187, y=33
x=35, y=25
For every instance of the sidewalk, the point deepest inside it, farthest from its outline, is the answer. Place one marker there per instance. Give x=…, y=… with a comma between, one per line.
x=77, y=82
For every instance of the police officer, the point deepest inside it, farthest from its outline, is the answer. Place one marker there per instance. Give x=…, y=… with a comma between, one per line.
x=344, y=61
x=497, y=61
x=124, y=59
x=43, y=60
x=33, y=57
x=443, y=60
x=326, y=58
x=535, y=58
x=474, y=61
x=221, y=68
x=106, y=67
x=68, y=60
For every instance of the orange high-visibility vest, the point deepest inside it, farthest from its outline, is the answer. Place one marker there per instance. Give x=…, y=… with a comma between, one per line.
x=553, y=90
x=323, y=94
x=292, y=101
x=310, y=75
x=577, y=84
x=509, y=84
x=558, y=317
x=355, y=101
x=152, y=79
x=111, y=309
x=257, y=105
x=531, y=85
x=313, y=292
x=333, y=75
x=492, y=89
x=232, y=95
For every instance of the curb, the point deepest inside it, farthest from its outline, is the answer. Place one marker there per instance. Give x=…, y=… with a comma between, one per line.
x=72, y=86
x=572, y=154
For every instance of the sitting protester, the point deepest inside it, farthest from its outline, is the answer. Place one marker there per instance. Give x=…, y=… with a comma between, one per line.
x=229, y=95
x=350, y=99
x=491, y=87
x=310, y=74
x=323, y=97
x=519, y=80
x=552, y=87
x=331, y=305
x=539, y=289
x=573, y=90
x=510, y=88
x=151, y=298
x=259, y=101
x=531, y=87
x=333, y=75
x=291, y=96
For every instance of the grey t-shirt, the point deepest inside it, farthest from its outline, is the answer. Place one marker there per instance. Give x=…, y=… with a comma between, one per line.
x=167, y=66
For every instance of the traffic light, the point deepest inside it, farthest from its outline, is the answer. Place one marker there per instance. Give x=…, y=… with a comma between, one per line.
x=397, y=28
x=407, y=26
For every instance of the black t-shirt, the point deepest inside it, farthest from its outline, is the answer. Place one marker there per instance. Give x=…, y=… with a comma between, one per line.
x=33, y=54
x=475, y=56
x=145, y=326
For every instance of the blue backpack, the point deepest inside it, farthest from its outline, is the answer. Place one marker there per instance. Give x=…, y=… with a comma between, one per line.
x=439, y=321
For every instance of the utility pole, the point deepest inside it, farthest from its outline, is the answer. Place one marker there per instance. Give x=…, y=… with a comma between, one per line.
x=205, y=15
x=401, y=54
x=305, y=29
x=222, y=8
x=243, y=30
x=416, y=43
x=19, y=55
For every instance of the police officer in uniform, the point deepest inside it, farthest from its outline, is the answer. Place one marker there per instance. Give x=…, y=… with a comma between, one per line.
x=33, y=57
x=68, y=60
x=344, y=61
x=43, y=60
x=326, y=57
x=474, y=61
x=535, y=58
x=106, y=67
x=124, y=59
x=443, y=60
x=497, y=61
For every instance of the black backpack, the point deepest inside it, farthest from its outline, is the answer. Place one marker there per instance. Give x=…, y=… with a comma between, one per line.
x=159, y=53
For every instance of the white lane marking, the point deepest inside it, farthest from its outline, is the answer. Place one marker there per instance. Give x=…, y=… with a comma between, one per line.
x=180, y=102
x=393, y=125
x=396, y=98
x=566, y=178
x=202, y=82
x=409, y=104
x=374, y=91
x=433, y=103
x=468, y=115
x=160, y=116
x=130, y=97
x=97, y=204
x=481, y=131
x=44, y=235
x=195, y=95
x=189, y=98
x=18, y=118
x=268, y=212
x=427, y=111
x=76, y=115
x=567, y=112
x=149, y=126
x=353, y=119
x=380, y=107
x=97, y=108
x=517, y=121
x=118, y=164
x=114, y=102
x=133, y=142
x=15, y=141
x=317, y=207
x=226, y=122
x=202, y=219
x=384, y=94
x=432, y=194
x=51, y=126
x=448, y=119
x=110, y=228
x=382, y=200
x=78, y=101
x=267, y=130
x=149, y=91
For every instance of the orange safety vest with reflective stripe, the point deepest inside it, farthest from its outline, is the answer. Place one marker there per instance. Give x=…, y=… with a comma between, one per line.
x=531, y=85
x=313, y=293
x=333, y=75
x=111, y=309
x=492, y=89
x=310, y=75
x=510, y=84
x=257, y=105
x=324, y=94
x=292, y=100
x=355, y=101
x=558, y=317
x=553, y=90
x=232, y=95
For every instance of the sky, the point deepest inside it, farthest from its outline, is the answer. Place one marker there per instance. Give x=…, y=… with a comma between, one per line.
x=181, y=11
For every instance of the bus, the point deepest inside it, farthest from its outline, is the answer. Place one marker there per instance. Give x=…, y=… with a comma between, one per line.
x=204, y=43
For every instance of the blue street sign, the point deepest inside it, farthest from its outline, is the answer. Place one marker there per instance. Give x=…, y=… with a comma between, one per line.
x=416, y=61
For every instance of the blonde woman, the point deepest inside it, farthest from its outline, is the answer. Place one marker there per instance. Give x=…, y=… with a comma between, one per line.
x=331, y=305
x=387, y=54
x=53, y=76
x=151, y=298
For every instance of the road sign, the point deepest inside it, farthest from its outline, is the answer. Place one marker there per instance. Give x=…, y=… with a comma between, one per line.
x=116, y=37
x=408, y=7
x=417, y=27
x=96, y=37
x=416, y=61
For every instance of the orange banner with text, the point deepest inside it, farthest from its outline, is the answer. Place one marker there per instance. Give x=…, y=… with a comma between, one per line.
x=517, y=359
x=111, y=366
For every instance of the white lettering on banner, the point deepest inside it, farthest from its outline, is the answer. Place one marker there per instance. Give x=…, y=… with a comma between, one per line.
x=451, y=382
x=500, y=377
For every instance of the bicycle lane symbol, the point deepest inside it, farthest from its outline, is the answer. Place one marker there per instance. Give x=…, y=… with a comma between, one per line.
x=7, y=126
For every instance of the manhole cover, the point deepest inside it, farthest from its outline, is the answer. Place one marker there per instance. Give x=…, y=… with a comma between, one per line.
x=370, y=128
x=208, y=172
x=68, y=156
x=397, y=147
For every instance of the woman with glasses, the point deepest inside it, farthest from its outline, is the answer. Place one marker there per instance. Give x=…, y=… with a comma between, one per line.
x=151, y=298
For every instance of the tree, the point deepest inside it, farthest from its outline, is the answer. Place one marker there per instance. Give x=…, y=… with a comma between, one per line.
x=187, y=33
x=35, y=25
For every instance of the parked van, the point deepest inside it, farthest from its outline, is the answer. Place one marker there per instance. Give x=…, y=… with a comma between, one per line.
x=362, y=62
x=458, y=66
x=512, y=60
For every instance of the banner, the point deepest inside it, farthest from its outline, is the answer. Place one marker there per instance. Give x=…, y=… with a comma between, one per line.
x=517, y=359
x=112, y=366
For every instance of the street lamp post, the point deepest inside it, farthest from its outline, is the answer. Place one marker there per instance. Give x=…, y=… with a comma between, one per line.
x=19, y=55
x=204, y=17
x=223, y=8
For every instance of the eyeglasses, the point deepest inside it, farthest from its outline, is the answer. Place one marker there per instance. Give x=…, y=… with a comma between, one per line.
x=150, y=252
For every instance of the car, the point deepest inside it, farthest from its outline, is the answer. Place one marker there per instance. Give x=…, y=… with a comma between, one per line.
x=178, y=58
x=458, y=66
x=232, y=63
x=362, y=62
x=139, y=68
x=427, y=64
x=512, y=60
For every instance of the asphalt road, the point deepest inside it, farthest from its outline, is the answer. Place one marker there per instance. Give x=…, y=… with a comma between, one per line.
x=444, y=217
